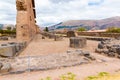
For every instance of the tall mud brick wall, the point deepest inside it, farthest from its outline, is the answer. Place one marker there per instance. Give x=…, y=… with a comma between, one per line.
x=26, y=23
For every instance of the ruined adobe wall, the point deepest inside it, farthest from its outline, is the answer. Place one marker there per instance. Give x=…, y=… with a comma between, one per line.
x=99, y=34
x=26, y=27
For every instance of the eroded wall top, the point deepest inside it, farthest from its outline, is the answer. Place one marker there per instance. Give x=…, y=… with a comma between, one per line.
x=21, y=6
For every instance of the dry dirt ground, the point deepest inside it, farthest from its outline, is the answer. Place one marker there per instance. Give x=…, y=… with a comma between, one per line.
x=49, y=46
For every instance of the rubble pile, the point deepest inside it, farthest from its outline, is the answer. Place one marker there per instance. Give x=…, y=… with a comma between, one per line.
x=110, y=47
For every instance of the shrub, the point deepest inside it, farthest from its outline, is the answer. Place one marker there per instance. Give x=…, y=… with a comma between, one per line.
x=81, y=29
x=8, y=32
x=113, y=30
x=46, y=29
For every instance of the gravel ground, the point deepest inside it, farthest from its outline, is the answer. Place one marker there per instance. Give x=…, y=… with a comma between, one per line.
x=42, y=47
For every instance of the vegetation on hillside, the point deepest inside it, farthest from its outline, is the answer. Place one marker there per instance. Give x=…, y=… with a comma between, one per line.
x=81, y=29
x=113, y=30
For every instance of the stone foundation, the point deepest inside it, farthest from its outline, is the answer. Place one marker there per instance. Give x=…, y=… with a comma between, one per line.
x=46, y=62
x=109, y=48
x=78, y=42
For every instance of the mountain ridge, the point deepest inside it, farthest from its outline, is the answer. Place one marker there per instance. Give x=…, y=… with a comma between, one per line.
x=89, y=24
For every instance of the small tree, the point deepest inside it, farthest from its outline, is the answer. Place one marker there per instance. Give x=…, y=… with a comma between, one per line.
x=46, y=29
x=81, y=29
x=9, y=28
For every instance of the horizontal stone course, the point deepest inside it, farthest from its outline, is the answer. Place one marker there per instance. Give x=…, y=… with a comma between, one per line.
x=50, y=61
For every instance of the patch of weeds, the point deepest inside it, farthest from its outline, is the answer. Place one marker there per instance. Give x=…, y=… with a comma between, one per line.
x=68, y=76
x=100, y=75
x=47, y=78
x=92, y=78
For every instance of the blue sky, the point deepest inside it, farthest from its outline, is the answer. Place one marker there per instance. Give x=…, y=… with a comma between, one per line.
x=50, y=12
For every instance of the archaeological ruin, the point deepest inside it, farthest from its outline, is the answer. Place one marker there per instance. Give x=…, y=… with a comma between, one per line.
x=26, y=23
x=52, y=50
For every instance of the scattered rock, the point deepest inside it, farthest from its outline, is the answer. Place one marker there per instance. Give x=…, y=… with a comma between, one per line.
x=91, y=57
x=43, y=37
x=109, y=47
x=86, y=53
x=69, y=51
x=1, y=65
x=100, y=46
x=5, y=68
x=79, y=52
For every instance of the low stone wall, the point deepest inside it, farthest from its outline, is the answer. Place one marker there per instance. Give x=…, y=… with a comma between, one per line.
x=4, y=38
x=7, y=37
x=99, y=34
x=109, y=48
x=52, y=36
x=46, y=62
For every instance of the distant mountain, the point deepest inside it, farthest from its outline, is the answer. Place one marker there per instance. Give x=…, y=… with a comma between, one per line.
x=55, y=26
x=88, y=24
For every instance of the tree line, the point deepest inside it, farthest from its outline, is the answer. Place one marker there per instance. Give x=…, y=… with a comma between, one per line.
x=8, y=31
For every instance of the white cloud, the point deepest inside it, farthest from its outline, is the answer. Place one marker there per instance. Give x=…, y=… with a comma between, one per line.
x=7, y=12
x=55, y=11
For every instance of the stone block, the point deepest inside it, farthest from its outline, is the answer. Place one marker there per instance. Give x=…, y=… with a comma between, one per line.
x=78, y=42
x=70, y=34
x=100, y=46
x=6, y=68
x=58, y=38
x=7, y=51
x=111, y=54
x=1, y=65
x=18, y=48
x=118, y=50
x=86, y=53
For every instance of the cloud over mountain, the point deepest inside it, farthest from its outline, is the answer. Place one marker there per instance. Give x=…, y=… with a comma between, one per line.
x=54, y=11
